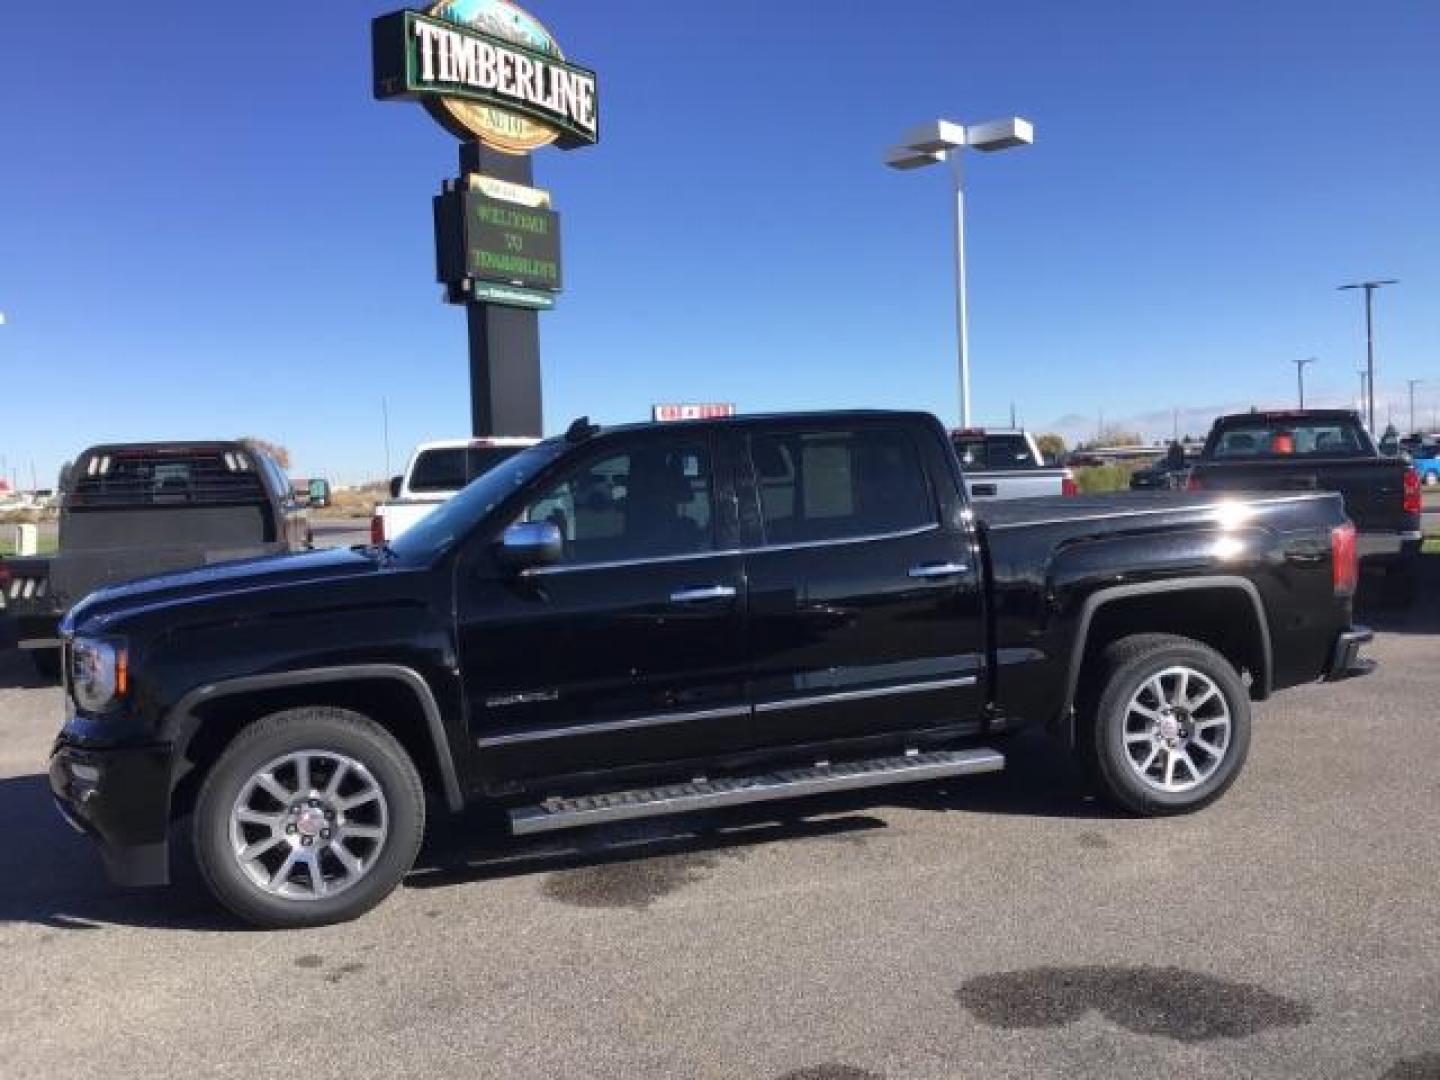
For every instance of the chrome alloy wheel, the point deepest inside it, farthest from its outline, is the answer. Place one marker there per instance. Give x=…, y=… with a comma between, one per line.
x=1177, y=729
x=309, y=825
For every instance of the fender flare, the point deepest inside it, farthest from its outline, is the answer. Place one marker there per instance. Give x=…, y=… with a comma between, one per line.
x=1095, y=601
x=406, y=676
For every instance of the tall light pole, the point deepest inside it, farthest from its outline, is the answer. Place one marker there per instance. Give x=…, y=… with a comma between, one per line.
x=1370, y=287
x=1412, y=383
x=943, y=140
x=1300, y=375
x=1362, y=390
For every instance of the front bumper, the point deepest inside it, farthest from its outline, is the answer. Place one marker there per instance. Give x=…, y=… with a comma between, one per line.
x=1345, y=659
x=120, y=798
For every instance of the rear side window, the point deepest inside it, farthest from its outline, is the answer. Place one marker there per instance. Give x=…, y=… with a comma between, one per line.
x=1261, y=438
x=836, y=485
x=130, y=478
x=450, y=468
x=980, y=452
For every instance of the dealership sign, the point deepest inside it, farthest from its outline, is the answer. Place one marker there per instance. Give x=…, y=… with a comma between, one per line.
x=486, y=70
x=492, y=246
x=707, y=411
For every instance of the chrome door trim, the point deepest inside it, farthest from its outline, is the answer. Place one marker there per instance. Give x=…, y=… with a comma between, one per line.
x=939, y=570
x=759, y=549
x=868, y=692
x=703, y=593
x=634, y=723
x=899, y=534
x=616, y=564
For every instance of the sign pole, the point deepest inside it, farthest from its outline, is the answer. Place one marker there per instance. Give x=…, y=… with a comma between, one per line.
x=504, y=341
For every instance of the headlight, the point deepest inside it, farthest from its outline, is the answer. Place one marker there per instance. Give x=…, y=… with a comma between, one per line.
x=99, y=673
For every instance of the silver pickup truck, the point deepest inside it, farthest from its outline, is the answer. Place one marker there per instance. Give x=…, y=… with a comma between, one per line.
x=1006, y=464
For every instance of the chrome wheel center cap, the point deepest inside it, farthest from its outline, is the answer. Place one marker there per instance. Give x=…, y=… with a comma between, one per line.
x=1169, y=727
x=310, y=821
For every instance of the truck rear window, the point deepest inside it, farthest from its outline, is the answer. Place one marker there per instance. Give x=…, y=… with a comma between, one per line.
x=981, y=452
x=154, y=478
x=450, y=468
x=1270, y=438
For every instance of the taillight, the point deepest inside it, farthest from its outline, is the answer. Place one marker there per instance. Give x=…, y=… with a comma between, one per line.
x=1344, y=560
x=377, y=530
x=1194, y=483
x=1412, y=491
x=1068, y=486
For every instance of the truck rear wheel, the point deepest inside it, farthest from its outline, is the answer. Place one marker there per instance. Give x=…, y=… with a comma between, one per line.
x=311, y=816
x=1170, y=726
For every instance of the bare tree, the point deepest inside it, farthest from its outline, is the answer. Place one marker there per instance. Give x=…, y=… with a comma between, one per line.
x=265, y=446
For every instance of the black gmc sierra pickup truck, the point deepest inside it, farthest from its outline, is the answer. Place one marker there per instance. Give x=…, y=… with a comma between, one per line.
x=1324, y=450
x=648, y=620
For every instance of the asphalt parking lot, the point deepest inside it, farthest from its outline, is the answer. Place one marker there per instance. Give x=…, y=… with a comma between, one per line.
x=1000, y=926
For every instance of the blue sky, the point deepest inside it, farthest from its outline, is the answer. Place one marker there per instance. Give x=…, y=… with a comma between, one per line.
x=207, y=227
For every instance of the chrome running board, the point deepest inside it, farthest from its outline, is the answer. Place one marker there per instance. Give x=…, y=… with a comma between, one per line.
x=572, y=812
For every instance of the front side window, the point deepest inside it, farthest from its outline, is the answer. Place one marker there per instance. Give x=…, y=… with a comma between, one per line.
x=833, y=485
x=648, y=501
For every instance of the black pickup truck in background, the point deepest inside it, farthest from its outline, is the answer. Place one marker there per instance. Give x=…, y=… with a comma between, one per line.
x=1324, y=450
x=136, y=509
x=655, y=619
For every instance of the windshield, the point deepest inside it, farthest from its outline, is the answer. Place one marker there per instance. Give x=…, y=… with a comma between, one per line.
x=1269, y=438
x=439, y=529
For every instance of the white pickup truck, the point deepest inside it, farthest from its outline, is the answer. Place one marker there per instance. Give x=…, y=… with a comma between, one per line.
x=1006, y=464
x=438, y=470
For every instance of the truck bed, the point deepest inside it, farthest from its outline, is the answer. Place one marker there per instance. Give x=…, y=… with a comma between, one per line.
x=1117, y=511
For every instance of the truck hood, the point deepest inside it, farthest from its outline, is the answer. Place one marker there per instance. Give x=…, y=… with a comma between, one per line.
x=103, y=606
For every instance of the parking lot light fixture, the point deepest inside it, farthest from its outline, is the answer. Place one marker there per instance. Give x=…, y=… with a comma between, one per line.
x=1300, y=366
x=1370, y=287
x=943, y=140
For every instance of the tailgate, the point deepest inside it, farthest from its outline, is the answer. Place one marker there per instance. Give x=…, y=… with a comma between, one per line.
x=1372, y=488
x=1013, y=483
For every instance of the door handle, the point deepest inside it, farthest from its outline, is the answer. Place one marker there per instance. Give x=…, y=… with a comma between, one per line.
x=938, y=569
x=700, y=595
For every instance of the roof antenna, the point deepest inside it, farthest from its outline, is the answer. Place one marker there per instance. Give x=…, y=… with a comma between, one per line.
x=580, y=430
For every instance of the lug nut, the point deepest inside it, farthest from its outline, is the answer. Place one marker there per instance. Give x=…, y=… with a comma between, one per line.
x=324, y=834
x=306, y=841
x=290, y=830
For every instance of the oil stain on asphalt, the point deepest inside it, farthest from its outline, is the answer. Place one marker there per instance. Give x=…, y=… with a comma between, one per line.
x=831, y=1071
x=1424, y=1067
x=1186, y=1006
x=634, y=884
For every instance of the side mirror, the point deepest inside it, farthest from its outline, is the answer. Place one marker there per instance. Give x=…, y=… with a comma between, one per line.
x=531, y=543
x=395, y=482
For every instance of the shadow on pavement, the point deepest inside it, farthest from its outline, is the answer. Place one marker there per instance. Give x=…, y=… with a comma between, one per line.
x=50, y=875
x=1420, y=615
x=1040, y=780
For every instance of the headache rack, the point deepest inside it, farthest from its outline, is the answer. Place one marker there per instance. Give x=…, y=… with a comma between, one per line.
x=165, y=478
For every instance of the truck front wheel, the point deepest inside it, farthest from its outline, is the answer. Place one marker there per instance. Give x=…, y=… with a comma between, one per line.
x=311, y=816
x=1170, y=726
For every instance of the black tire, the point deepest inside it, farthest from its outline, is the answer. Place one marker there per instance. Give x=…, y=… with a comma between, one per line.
x=1124, y=668
x=47, y=663
x=318, y=730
